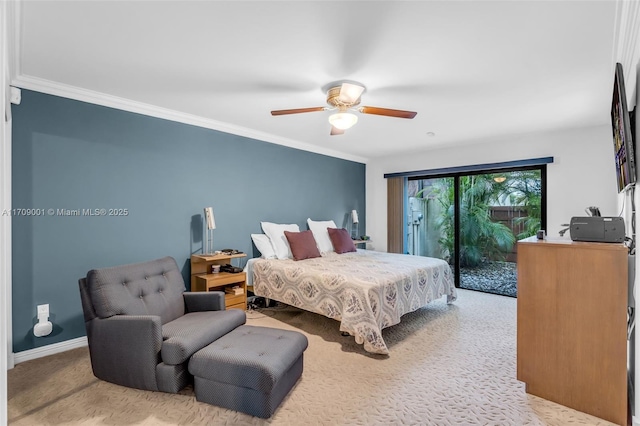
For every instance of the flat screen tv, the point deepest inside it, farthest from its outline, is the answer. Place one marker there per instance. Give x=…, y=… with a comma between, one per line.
x=622, y=126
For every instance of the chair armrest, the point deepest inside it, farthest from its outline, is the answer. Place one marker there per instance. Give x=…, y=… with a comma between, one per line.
x=125, y=349
x=204, y=301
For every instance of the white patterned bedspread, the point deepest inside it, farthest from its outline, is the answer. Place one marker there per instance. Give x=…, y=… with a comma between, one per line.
x=366, y=291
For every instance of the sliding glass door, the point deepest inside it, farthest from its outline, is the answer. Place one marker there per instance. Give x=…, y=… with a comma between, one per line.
x=496, y=210
x=473, y=221
x=430, y=220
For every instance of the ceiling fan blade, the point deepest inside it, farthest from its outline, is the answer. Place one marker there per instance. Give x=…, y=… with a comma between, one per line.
x=350, y=93
x=335, y=131
x=296, y=110
x=388, y=112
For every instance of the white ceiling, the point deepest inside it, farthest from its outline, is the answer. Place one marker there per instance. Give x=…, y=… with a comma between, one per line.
x=471, y=69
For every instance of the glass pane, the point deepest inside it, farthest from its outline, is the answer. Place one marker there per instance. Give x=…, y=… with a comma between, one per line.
x=495, y=211
x=430, y=220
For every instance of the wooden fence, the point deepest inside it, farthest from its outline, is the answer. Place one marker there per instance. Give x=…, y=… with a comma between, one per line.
x=508, y=215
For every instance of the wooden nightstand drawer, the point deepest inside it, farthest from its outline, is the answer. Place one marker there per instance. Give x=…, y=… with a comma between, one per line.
x=208, y=282
x=233, y=299
x=242, y=306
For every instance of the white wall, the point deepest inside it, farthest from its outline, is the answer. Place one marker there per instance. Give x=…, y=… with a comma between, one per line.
x=581, y=175
x=5, y=202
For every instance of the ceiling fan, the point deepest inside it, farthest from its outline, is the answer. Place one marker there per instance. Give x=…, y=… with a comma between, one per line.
x=344, y=98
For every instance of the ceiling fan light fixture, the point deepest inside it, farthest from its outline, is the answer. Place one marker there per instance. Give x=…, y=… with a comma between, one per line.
x=343, y=120
x=350, y=93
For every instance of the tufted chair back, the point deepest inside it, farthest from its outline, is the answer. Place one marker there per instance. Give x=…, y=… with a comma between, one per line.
x=142, y=327
x=149, y=288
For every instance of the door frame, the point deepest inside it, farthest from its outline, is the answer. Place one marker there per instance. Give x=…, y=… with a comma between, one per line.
x=456, y=182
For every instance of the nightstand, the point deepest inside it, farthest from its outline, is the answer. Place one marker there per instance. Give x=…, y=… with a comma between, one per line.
x=203, y=280
x=361, y=242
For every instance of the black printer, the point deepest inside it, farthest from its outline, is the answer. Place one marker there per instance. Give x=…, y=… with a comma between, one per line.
x=599, y=229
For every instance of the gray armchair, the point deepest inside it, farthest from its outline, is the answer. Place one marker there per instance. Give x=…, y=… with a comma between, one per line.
x=143, y=327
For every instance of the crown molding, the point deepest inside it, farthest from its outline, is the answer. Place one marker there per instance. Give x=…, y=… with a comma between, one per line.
x=97, y=98
x=17, y=79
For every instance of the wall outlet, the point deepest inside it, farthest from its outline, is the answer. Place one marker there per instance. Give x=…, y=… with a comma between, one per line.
x=43, y=310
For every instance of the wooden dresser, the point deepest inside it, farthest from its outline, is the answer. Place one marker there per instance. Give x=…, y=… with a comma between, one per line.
x=572, y=324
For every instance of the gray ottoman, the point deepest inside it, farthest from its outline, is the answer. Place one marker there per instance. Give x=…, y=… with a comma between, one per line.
x=250, y=369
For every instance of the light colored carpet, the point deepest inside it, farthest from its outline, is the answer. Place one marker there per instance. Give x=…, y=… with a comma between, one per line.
x=449, y=365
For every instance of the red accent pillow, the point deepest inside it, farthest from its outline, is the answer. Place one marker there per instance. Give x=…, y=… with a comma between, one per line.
x=342, y=242
x=303, y=245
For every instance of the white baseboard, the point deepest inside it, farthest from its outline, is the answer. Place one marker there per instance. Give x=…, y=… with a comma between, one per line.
x=54, y=348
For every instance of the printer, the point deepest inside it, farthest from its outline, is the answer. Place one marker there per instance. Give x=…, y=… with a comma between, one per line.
x=599, y=229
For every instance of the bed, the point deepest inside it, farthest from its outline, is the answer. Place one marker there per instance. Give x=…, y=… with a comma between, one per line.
x=365, y=290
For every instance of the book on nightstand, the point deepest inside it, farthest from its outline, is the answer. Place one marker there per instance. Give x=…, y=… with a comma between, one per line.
x=234, y=290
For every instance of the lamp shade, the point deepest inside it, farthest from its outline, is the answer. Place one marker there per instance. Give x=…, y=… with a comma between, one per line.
x=343, y=120
x=208, y=215
x=354, y=216
x=350, y=93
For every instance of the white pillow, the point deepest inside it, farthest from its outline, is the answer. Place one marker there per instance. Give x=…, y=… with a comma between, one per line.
x=275, y=232
x=321, y=235
x=263, y=244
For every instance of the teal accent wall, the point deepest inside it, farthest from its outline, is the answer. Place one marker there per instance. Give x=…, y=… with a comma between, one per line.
x=71, y=155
